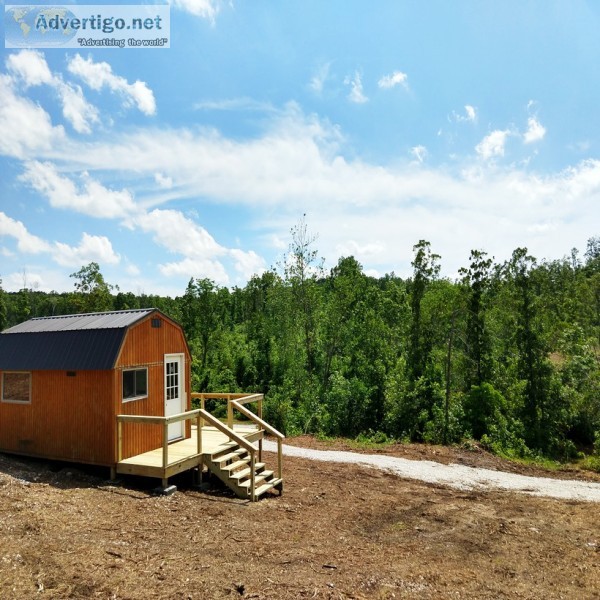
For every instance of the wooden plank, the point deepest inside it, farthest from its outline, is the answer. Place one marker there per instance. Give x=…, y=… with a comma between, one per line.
x=213, y=442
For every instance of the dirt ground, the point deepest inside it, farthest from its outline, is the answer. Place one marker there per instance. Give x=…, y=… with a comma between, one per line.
x=337, y=532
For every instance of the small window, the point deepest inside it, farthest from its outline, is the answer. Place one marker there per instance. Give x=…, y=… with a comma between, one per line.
x=135, y=384
x=16, y=387
x=156, y=323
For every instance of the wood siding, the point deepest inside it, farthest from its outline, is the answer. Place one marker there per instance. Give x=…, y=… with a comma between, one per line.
x=69, y=418
x=146, y=346
x=73, y=418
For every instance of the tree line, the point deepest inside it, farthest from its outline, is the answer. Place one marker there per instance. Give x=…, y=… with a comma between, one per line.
x=507, y=354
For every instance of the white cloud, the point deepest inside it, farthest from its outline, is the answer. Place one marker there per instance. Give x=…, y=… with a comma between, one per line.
x=243, y=103
x=93, y=199
x=319, y=78
x=299, y=165
x=91, y=248
x=30, y=66
x=247, y=263
x=470, y=115
x=76, y=109
x=206, y=9
x=492, y=145
x=356, y=94
x=163, y=181
x=394, y=79
x=471, y=112
x=99, y=74
x=535, y=131
x=196, y=267
x=132, y=270
x=360, y=251
x=26, y=242
x=37, y=277
x=25, y=127
x=175, y=232
x=419, y=152
x=203, y=256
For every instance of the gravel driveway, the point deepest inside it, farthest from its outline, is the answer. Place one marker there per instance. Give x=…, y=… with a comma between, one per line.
x=453, y=475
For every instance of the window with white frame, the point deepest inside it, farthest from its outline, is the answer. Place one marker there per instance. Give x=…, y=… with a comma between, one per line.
x=16, y=387
x=135, y=383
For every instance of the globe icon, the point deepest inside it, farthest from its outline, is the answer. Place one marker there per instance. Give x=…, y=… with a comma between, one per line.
x=33, y=27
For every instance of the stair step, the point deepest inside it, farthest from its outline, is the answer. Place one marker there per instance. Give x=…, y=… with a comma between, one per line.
x=262, y=489
x=225, y=447
x=246, y=472
x=230, y=456
x=246, y=484
x=238, y=464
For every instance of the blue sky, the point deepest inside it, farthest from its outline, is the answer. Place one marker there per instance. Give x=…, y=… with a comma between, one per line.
x=473, y=125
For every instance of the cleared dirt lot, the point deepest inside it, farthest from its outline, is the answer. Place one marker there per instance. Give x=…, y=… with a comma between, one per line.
x=337, y=532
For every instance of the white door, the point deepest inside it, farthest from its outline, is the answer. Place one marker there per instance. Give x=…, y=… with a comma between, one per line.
x=174, y=392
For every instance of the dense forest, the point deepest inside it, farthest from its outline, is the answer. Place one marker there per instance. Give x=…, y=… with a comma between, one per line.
x=507, y=354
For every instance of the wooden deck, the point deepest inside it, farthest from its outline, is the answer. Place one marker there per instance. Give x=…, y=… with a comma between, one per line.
x=183, y=455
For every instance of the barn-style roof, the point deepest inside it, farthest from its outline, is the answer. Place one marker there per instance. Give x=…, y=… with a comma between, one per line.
x=88, y=341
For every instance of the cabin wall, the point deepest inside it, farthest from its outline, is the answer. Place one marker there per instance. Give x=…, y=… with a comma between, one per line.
x=146, y=346
x=69, y=418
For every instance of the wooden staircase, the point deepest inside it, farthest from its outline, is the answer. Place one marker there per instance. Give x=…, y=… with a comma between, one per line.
x=232, y=465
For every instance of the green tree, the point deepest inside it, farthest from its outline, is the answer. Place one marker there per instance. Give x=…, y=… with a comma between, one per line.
x=425, y=269
x=3, y=316
x=478, y=348
x=302, y=269
x=92, y=292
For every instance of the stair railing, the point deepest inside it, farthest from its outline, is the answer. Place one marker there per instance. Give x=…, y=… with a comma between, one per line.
x=234, y=437
x=268, y=428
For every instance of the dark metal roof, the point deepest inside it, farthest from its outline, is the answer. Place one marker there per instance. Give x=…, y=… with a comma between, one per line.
x=74, y=342
x=101, y=320
x=92, y=350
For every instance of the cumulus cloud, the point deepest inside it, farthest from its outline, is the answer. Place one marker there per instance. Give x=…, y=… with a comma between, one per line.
x=30, y=66
x=32, y=69
x=90, y=198
x=299, y=164
x=359, y=250
x=26, y=242
x=492, y=145
x=25, y=127
x=392, y=80
x=247, y=263
x=196, y=267
x=91, y=248
x=356, y=94
x=535, y=131
x=203, y=256
x=99, y=74
x=175, y=232
x=76, y=109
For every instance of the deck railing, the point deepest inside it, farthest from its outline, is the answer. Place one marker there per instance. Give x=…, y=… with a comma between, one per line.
x=236, y=401
x=201, y=415
x=165, y=422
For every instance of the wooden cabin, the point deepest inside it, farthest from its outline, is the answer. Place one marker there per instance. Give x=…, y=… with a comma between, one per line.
x=65, y=379
x=113, y=389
